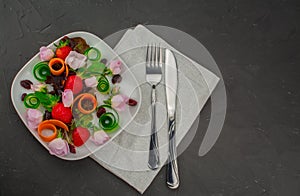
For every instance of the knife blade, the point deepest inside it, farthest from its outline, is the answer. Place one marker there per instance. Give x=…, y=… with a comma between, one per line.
x=171, y=91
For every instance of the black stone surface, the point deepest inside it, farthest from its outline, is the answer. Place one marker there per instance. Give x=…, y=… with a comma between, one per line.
x=257, y=47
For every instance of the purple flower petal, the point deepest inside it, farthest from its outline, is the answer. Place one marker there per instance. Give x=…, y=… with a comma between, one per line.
x=34, y=118
x=118, y=102
x=99, y=137
x=116, y=70
x=115, y=66
x=46, y=53
x=67, y=97
x=59, y=147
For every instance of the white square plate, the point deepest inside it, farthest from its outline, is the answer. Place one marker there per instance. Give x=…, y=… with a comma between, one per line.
x=129, y=86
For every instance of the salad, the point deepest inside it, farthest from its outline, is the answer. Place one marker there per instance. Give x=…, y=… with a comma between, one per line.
x=76, y=97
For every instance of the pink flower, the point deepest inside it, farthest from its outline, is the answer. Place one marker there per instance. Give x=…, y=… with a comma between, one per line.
x=67, y=97
x=91, y=82
x=59, y=147
x=34, y=118
x=46, y=53
x=118, y=102
x=115, y=66
x=75, y=60
x=99, y=138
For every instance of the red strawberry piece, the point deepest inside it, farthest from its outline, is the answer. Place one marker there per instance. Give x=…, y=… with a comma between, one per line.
x=62, y=113
x=74, y=83
x=63, y=52
x=80, y=136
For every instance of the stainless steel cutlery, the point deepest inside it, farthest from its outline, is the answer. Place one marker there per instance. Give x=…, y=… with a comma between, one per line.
x=155, y=58
x=154, y=61
x=171, y=94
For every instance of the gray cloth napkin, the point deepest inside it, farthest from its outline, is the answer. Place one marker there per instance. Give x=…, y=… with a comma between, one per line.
x=127, y=155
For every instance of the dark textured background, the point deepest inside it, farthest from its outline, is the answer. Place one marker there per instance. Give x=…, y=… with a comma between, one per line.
x=255, y=44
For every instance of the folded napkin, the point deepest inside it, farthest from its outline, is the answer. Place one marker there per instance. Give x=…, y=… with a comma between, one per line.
x=127, y=155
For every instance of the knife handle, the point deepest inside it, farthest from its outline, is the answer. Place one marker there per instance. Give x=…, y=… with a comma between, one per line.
x=172, y=167
x=153, y=161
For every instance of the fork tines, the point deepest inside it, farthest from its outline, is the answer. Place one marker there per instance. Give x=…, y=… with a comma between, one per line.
x=154, y=59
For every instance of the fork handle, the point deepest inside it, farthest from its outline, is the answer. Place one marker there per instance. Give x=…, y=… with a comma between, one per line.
x=153, y=161
x=172, y=167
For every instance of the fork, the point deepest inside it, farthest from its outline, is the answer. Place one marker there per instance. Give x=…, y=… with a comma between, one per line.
x=154, y=59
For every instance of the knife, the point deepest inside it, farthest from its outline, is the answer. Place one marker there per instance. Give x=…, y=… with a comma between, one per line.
x=171, y=90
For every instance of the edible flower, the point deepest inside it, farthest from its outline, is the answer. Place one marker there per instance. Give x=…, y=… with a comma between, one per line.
x=59, y=147
x=115, y=66
x=34, y=118
x=91, y=82
x=99, y=137
x=46, y=53
x=118, y=102
x=39, y=87
x=75, y=60
x=67, y=97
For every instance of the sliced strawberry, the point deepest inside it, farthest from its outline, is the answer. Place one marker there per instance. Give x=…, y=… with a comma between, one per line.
x=80, y=136
x=63, y=52
x=62, y=113
x=74, y=83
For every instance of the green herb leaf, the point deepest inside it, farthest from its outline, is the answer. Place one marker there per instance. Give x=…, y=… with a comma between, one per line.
x=47, y=100
x=59, y=135
x=85, y=121
x=96, y=67
x=108, y=101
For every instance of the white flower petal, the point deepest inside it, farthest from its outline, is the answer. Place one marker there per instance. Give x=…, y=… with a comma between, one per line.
x=75, y=60
x=91, y=82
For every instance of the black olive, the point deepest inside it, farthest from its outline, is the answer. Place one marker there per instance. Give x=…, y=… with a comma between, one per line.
x=132, y=102
x=104, y=61
x=100, y=111
x=47, y=115
x=72, y=148
x=23, y=96
x=116, y=79
x=26, y=84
